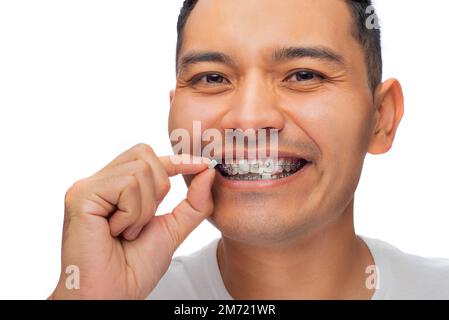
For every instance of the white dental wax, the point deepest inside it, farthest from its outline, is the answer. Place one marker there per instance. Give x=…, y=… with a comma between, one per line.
x=212, y=164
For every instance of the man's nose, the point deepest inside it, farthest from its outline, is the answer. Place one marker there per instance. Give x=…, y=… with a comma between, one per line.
x=254, y=105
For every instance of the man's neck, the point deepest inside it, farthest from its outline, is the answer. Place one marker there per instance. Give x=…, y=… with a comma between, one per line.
x=328, y=263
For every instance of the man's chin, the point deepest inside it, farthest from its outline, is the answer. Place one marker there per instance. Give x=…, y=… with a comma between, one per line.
x=257, y=226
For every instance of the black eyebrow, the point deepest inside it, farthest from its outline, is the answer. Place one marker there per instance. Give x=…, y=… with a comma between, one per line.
x=321, y=53
x=281, y=54
x=204, y=56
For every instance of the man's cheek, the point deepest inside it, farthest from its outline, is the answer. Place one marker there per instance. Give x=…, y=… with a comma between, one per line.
x=188, y=114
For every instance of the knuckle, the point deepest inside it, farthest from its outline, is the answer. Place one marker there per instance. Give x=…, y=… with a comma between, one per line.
x=143, y=167
x=143, y=148
x=165, y=187
x=73, y=200
x=75, y=189
x=132, y=183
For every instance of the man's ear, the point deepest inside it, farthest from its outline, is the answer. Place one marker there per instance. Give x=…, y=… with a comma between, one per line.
x=172, y=95
x=389, y=104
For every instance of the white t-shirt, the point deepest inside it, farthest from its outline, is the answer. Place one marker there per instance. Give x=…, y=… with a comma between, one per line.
x=400, y=275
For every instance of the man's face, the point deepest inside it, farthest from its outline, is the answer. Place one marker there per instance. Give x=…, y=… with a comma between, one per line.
x=318, y=99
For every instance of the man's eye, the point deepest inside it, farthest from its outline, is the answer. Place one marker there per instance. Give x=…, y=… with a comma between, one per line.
x=304, y=76
x=212, y=78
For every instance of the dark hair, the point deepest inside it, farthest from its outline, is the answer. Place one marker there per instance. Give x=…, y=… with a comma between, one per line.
x=369, y=38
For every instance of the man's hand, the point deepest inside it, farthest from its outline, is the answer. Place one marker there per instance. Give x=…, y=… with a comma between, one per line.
x=111, y=234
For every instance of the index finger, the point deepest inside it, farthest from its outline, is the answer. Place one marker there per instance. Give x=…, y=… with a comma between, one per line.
x=184, y=164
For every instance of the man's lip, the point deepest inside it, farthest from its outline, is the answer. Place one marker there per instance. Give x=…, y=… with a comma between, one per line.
x=245, y=154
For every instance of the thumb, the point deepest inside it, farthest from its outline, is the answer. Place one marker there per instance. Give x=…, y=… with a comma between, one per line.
x=170, y=230
x=197, y=206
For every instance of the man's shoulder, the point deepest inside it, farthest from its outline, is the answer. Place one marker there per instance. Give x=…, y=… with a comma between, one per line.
x=408, y=261
x=409, y=276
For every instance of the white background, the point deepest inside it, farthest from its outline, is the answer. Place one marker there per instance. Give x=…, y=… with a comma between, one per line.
x=81, y=81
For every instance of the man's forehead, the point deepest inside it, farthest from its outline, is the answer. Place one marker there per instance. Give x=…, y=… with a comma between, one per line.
x=266, y=24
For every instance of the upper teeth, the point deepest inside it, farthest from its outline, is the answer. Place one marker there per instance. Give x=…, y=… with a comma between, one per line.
x=255, y=167
x=268, y=166
x=243, y=167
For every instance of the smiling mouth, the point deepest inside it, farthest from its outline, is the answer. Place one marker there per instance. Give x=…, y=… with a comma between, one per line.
x=268, y=169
